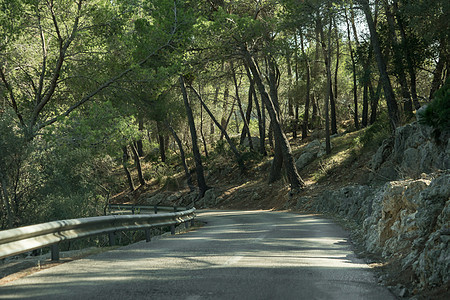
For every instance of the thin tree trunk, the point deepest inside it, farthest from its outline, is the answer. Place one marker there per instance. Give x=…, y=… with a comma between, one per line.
x=387, y=87
x=125, y=168
x=224, y=121
x=398, y=61
x=162, y=148
x=365, y=112
x=374, y=97
x=182, y=157
x=308, y=89
x=137, y=163
x=290, y=98
x=238, y=99
x=355, y=83
x=277, y=163
x=333, y=107
x=326, y=50
x=201, y=182
x=437, y=74
x=224, y=132
x=9, y=214
x=205, y=148
x=261, y=119
x=247, y=117
x=139, y=146
x=293, y=176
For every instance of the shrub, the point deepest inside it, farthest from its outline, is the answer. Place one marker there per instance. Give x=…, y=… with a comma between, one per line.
x=437, y=113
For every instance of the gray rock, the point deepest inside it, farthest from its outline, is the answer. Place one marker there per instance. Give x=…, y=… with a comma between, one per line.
x=305, y=159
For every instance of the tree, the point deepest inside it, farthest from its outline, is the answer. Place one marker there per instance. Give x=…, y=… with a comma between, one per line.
x=201, y=182
x=387, y=87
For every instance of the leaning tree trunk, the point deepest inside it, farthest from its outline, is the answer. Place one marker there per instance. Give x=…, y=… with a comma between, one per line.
x=277, y=163
x=238, y=100
x=182, y=157
x=201, y=182
x=223, y=131
x=387, y=87
x=293, y=176
x=137, y=162
x=125, y=168
x=260, y=114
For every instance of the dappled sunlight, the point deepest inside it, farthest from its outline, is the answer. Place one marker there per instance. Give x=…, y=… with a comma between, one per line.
x=251, y=247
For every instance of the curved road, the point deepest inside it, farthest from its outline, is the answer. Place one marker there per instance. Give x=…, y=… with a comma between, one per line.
x=237, y=255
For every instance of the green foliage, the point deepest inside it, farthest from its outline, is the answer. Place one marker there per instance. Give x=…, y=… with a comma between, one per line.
x=374, y=135
x=437, y=113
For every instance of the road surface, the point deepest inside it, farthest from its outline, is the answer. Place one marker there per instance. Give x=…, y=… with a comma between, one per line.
x=236, y=255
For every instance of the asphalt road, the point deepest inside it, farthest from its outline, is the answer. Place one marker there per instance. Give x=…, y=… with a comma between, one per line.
x=236, y=255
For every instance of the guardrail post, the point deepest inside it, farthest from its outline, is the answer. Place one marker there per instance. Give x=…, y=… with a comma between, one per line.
x=112, y=239
x=148, y=238
x=172, y=229
x=156, y=209
x=55, y=252
x=132, y=210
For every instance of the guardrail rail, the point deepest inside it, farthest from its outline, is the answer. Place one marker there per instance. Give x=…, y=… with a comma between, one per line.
x=27, y=238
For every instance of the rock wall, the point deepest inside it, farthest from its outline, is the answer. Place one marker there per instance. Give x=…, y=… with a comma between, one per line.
x=415, y=149
x=407, y=220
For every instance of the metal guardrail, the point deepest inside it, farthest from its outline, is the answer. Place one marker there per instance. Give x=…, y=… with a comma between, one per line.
x=119, y=209
x=27, y=238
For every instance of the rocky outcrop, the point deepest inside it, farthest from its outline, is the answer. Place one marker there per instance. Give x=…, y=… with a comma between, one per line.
x=406, y=218
x=311, y=151
x=414, y=150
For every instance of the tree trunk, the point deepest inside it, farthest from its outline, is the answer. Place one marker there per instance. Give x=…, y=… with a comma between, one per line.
x=137, y=163
x=182, y=157
x=365, y=111
x=308, y=89
x=241, y=110
x=223, y=131
x=205, y=148
x=224, y=121
x=333, y=107
x=277, y=163
x=9, y=214
x=293, y=176
x=374, y=97
x=247, y=117
x=408, y=56
x=355, y=83
x=326, y=50
x=398, y=61
x=290, y=99
x=260, y=114
x=201, y=182
x=139, y=146
x=437, y=74
x=387, y=87
x=125, y=168
x=162, y=148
